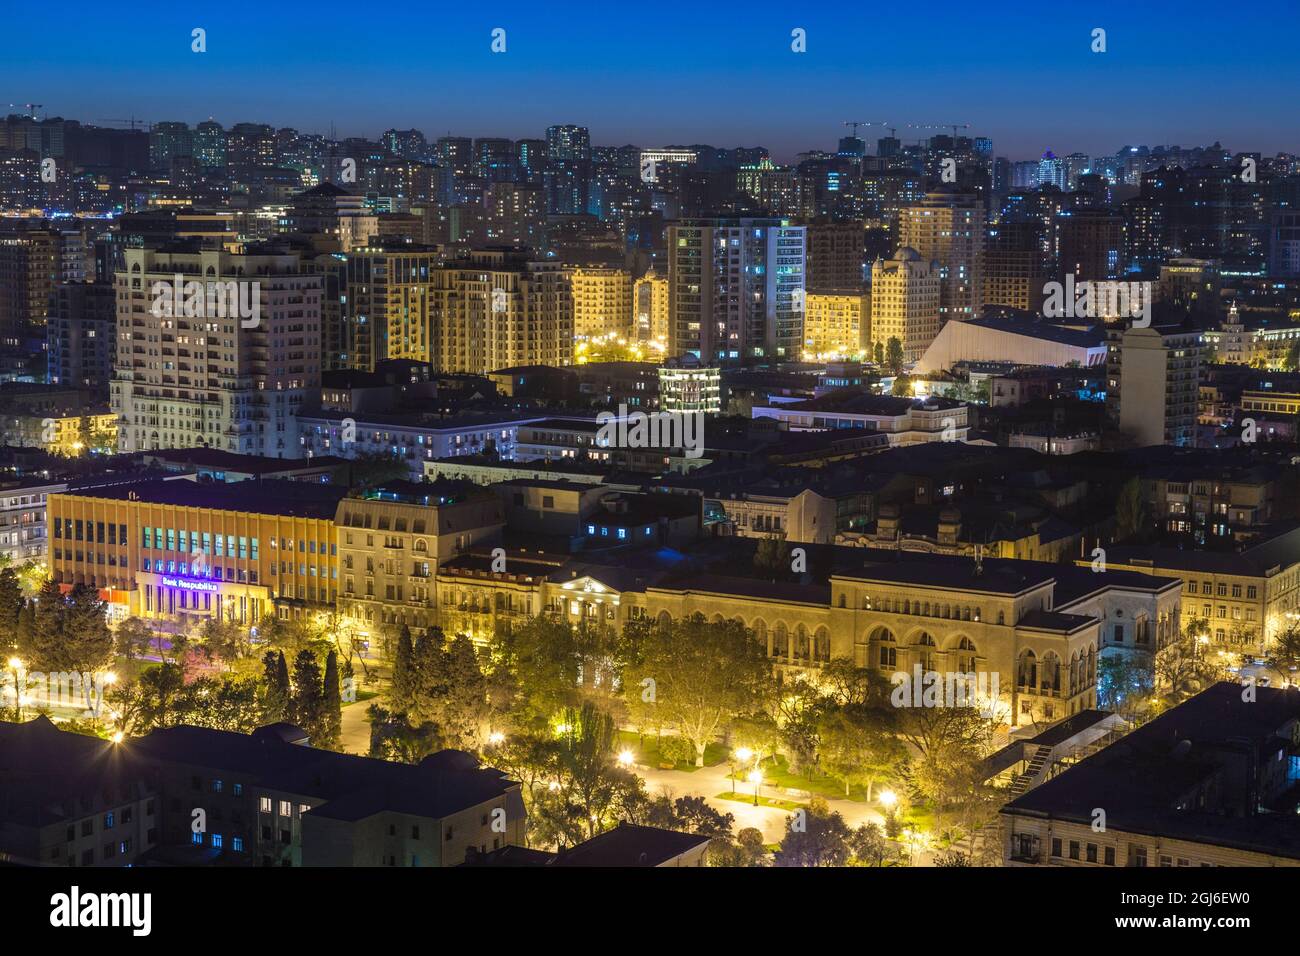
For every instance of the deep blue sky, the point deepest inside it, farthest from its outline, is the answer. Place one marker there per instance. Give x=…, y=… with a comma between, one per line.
x=654, y=73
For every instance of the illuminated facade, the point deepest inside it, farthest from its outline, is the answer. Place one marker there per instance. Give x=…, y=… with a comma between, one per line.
x=393, y=541
x=602, y=304
x=215, y=381
x=180, y=551
x=1037, y=626
x=837, y=323
x=905, y=296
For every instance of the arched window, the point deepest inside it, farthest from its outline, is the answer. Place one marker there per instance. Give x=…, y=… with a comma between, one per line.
x=1027, y=671
x=822, y=645
x=780, y=640
x=1050, y=674
x=801, y=649
x=888, y=649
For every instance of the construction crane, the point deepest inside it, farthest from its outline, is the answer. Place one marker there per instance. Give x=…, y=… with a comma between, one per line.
x=131, y=122
x=30, y=107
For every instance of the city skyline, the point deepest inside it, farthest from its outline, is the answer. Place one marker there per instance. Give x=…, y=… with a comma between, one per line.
x=954, y=70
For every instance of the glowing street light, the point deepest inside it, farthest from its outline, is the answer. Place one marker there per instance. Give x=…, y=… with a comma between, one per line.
x=756, y=778
x=496, y=738
x=625, y=757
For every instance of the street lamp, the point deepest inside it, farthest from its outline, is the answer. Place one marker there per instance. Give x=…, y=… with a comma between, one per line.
x=756, y=778
x=888, y=800
x=743, y=754
x=496, y=738
x=625, y=758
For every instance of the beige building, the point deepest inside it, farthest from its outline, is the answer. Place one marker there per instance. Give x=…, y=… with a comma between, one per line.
x=392, y=543
x=217, y=379
x=496, y=309
x=949, y=228
x=1036, y=625
x=388, y=312
x=837, y=323
x=602, y=303
x=1153, y=383
x=905, y=297
x=1247, y=597
x=650, y=301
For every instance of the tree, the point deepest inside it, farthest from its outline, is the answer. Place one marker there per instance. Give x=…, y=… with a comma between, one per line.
x=704, y=675
x=858, y=746
x=332, y=722
x=69, y=633
x=1130, y=511
x=815, y=836
x=11, y=601
x=276, y=692
x=869, y=846
x=307, y=704
x=879, y=353
x=902, y=387
x=949, y=742
x=224, y=639
x=401, y=692
x=894, y=355
x=133, y=637
x=393, y=738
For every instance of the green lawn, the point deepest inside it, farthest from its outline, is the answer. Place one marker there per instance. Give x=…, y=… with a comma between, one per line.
x=776, y=771
x=739, y=797
x=648, y=753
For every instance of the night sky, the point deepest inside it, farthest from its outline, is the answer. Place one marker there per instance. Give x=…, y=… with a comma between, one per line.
x=1184, y=73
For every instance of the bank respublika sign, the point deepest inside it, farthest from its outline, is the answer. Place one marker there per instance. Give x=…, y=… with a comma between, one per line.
x=189, y=585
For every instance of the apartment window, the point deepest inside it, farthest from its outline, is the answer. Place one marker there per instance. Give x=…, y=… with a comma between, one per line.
x=1251, y=591
x=415, y=833
x=1092, y=852
x=237, y=844
x=216, y=786
x=286, y=808
x=1137, y=855
x=216, y=840
x=1074, y=849
x=87, y=827
x=1166, y=861
x=196, y=839
x=1109, y=856
x=265, y=804
x=1056, y=846
x=108, y=820
x=239, y=789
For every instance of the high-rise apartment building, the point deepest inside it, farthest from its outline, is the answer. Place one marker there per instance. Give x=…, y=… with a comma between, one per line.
x=568, y=177
x=949, y=228
x=81, y=334
x=250, y=145
x=387, y=314
x=736, y=288
x=1153, y=383
x=215, y=379
x=169, y=141
x=835, y=255
x=650, y=308
x=837, y=323
x=496, y=308
x=514, y=215
x=331, y=211
x=906, y=293
x=210, y=144
x=602, y=302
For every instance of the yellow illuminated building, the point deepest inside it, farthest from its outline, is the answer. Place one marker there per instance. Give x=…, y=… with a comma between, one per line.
x=180, y=551
x=837, y=324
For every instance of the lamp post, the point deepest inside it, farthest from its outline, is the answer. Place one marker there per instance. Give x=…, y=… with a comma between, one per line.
x=888, y=800
x=756, y=778
x=743, y=754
